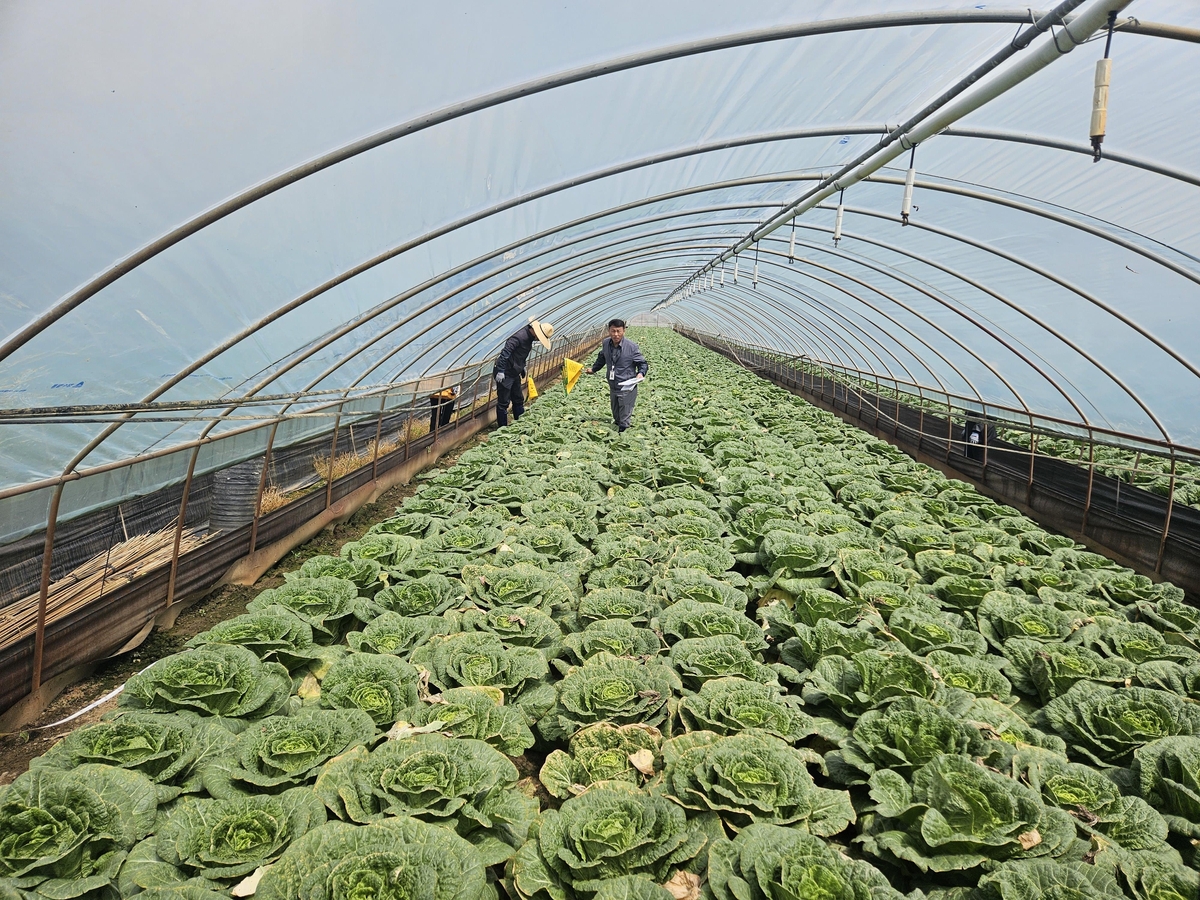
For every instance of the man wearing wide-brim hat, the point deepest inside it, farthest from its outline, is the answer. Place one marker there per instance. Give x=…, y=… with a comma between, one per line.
x=509, y=372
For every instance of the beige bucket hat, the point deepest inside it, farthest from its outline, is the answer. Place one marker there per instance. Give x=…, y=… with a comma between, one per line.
x=543, y=330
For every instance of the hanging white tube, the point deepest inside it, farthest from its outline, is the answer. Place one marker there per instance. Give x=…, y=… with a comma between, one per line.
x=1100, y=103
x=837, y=224
x=1080, y=28
x=792, y=244
x=735, y=269
x=722, y=274
x=906, y=205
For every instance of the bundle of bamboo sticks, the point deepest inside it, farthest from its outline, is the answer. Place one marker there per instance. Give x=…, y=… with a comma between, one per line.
x=101, y=575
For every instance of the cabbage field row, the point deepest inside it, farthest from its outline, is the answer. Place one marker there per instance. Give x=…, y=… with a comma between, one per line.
x=742, y=651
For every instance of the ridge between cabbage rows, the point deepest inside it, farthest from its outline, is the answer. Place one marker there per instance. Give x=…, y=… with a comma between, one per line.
x=742, y=649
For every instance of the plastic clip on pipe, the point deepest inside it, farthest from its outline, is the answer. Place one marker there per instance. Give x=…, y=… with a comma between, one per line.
x=837, y=222
x=1100, y=93
x=906, y=206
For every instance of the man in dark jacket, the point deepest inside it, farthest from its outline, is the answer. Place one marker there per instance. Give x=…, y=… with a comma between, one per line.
x=509, y=371
x=625, y=367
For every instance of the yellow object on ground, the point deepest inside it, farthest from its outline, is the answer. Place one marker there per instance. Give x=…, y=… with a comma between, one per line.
x=571, y=372
x=532, y=388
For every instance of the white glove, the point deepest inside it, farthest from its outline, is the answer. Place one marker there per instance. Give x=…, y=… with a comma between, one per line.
x=499, y=378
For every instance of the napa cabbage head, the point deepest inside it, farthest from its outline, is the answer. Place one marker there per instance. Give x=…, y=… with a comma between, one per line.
x=751, y=777
x=216, y=680
x=610, y=831
x=393, y=859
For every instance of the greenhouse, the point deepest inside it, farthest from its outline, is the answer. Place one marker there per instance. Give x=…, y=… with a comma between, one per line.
x=847, y=544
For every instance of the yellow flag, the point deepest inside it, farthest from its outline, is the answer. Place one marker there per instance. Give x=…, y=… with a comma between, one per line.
x=532, y=388
x=571, y=372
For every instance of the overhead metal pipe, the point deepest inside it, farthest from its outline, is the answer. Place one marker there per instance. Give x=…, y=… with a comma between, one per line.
x=945, y=111
x=1054, y=332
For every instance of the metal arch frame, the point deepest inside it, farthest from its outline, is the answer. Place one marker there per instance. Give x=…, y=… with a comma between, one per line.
x=793, y=291
x=765, y=318
x=465, y=286
x=488, y=324
x=1083, y=417
x=715, y=146
x=1080, y=226
x=916, y=314
x=617, y=296
x=783, y=325
x=1012, y=390
x=928, y=293
x=496, y=313
x=345, y=276
x=738, y=182
x=379, y=309
x=348, y=151
x=984, y=197
x=862, y=300
x=783, y=309
x=949, y=107
x=640, y=279
x=477, y=104
x=987, y=248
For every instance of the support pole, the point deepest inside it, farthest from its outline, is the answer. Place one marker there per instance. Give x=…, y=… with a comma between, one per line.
x=412, y=408
x=1162, y=544
x=1087, y=504
x=39, y=634
x=378, y=437
x=332, y=456
x=1033, y=442
x=262, y=486
x=183, y=502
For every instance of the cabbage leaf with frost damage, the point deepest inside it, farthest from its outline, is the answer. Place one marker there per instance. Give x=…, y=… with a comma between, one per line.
x=602, y=752
x=474, y=712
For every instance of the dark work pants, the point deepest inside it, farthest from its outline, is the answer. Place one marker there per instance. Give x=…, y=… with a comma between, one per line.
x=511, y=389
x=441, y=412
x=622, y=406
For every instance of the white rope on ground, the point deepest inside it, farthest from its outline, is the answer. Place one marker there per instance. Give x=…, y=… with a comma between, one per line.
x=75, y=715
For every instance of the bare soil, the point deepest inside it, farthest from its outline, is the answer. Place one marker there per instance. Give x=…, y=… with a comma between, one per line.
x=16, y=750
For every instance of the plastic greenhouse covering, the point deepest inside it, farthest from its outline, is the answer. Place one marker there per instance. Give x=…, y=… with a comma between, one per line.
x=223, y=215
